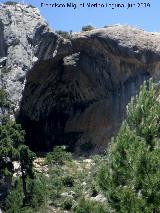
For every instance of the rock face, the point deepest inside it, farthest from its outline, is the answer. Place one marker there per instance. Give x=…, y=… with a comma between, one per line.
x=81, y=97
x=77, y=90
x=21, y=46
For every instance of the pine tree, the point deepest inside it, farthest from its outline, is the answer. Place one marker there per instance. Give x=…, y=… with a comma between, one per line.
x=26, y=163
x=12, y=148
x=130, y=177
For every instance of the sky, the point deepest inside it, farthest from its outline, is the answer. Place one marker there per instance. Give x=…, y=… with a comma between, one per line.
x=147, y=18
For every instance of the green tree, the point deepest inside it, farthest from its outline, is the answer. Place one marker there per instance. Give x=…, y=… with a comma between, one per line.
x=87, y=28
x=26, y=163
x=130, y=176
x=58, y=156
x=14, y=199
x=11, y=136
x=4, y=102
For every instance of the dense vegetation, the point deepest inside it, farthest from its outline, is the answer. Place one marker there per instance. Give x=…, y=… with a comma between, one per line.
x=23, y=191
x=130, y=177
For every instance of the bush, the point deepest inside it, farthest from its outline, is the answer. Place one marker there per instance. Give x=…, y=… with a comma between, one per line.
x=14, y=201
x=56, y=186
x=59, y=156
x=68, y=181
x=87, y=206
x=130, y=178
x=67, y=204
x=10, y=3
x=87, y=28
x=39, y=192
x=94, y=191
x=5, y=70
x=27, y=190
x=11, y=136
x=38, y=196
x=4, y=100
x=64, y=34
x=30, y=5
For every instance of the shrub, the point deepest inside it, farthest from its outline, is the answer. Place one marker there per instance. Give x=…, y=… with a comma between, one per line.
x=59, y=155
x=39, y=192
x=14, y=201
x=87, y=206
x=10, y=3
x=5, y=70
x=87, y=28
x=38, y=195
x=64, y=34
x=67, y=204
x=68, y=181
x=130, y=178
x=4, y=100
x=30, y=5
x=27, y=190
x=56, y=186
x=94, y=191
x=11, y=136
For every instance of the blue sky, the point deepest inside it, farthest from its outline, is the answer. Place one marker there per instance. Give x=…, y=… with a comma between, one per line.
x=69, y=19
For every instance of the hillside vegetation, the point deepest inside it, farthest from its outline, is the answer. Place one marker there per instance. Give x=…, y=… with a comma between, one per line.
x=125, y=180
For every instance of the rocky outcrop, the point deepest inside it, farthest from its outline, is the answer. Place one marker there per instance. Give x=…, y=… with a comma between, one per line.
x=23, y=34
x=76, y=91
x=81, y=96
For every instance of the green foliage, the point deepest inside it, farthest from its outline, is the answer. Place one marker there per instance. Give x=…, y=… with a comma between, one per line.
x=38, y=195
x=4, y=100
x=28, y=190
x=68, y=181
x=87, y=28
x=55, y=183
x=10, y=3
x=64, y=34
x=58, y=156
x=67, y=203
x=39, y=191
x=87, y=206
x=4, y=70
x=130, y=176
x=26, y=161
x=14, y=200
x=30, y=5
x=28, y=183
x=11, y=136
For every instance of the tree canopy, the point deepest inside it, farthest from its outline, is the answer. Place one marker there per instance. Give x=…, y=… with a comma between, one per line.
x=130, y=176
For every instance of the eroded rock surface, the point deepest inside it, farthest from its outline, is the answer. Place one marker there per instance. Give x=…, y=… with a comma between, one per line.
x=76, y=90
x=24, y=38
x=81, y=98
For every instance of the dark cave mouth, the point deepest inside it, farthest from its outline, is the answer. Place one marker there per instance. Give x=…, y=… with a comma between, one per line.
x=42, y=140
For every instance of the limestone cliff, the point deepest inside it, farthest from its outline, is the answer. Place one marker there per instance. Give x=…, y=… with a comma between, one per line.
x=22, y=43
x=81, y=97
x=77, y=91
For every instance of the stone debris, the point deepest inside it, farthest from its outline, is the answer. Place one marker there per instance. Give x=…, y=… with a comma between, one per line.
x=39, y=165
